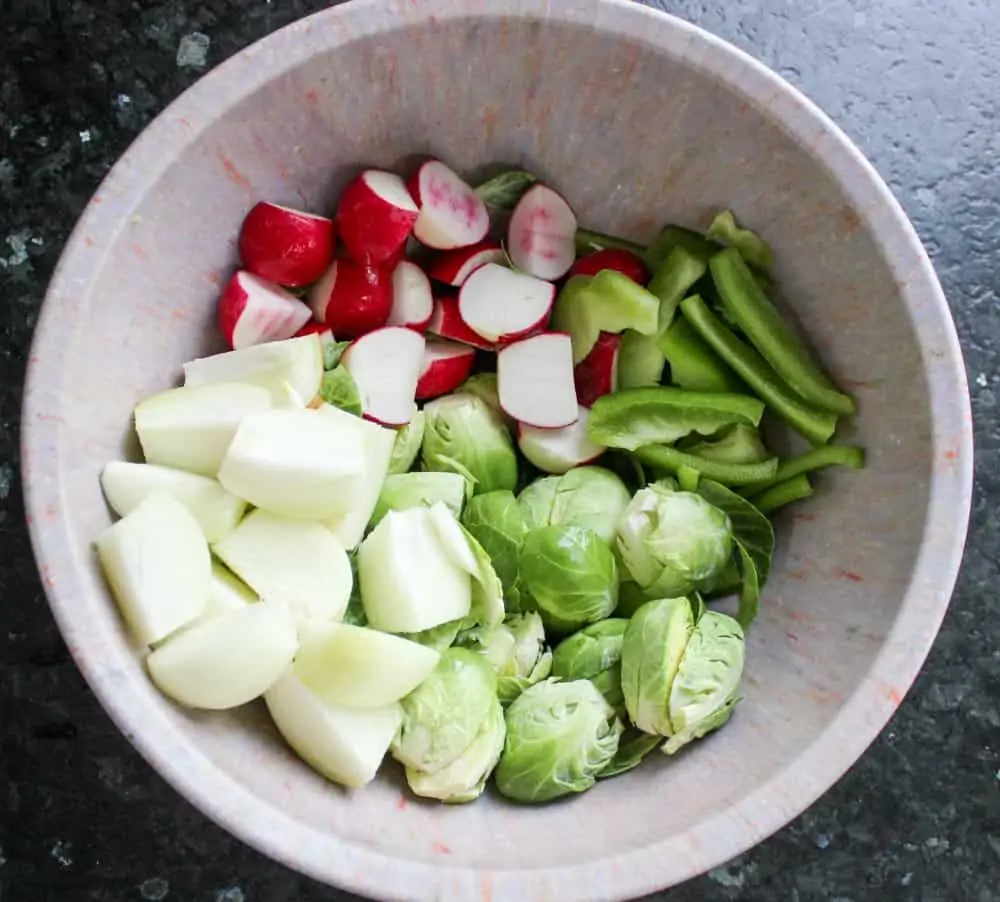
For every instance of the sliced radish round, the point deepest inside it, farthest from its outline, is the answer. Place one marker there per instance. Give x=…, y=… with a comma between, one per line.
x=558, y=450
x=451, y=213
x=386, y=366
x=446, y=366
x=446, y=322
x=597, y=373
x=412, y=302
x=616, y=258
x=375, y=216
x=454, y=267
x=253, y=311
x=352, y=298
x=502, y=305
x=287, y=246
x=542, y=232
x=535, y=381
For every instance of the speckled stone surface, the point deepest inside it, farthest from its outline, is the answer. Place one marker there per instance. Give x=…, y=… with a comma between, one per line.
x=917, y=819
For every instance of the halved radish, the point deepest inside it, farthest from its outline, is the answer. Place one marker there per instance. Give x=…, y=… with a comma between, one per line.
x=535, y=381
x=597, y=373
x=252, y=311
x=352, y=298
x=287, y=246
x=326, y=338
x=412, y=302
x=454, y=267
x=559, y=450
x=541, y=234
x=451, y=213
x=446, y=366
x=502, y=305
x=386, y=366
x=616, y=258
x=375, y=216
x=446, y=322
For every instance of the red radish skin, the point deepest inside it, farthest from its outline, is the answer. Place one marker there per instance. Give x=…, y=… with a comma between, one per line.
x=314, y=326
x=446, y=322
x=618, y=259
x=559, y=450
x=253, y=310
x=386, y=366
x=535, y=381
x=452, y=215
x=454, y=267
x=352, y=298
x=375, y=216
x=597, y=373
x=446, y=365
x=502, y=305
x=541, y=234
x=286, y=246
x=412, y=301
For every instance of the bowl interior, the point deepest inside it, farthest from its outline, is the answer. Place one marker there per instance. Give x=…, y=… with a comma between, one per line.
x=640, y=121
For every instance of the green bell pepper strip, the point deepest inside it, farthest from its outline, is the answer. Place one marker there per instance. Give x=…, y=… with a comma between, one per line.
x=816, y=425
x=795, y=489
x=673, y=279
x=693, y=363
x=754, y=249
x=667, y=458
x=816, y=459
x=750, y=308
x=687, y=478
x=671, y=237
x=588, y=241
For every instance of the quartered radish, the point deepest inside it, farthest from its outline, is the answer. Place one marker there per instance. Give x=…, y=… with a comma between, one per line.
x=597, y=373
x=252, y=311
x=297, y=463
x=287, y=246
x=454, y=267
x=501, y=305
x=127, y=485
x=535, y=381
x=386, y=365
x=541, y=234
x=446, y=322
x=412, y=302
x=446, y=365
x=227, y=660
x=408, y=582
x=157, y=564
x=343, y=744
x=451, y=213
x=360, y=667
x=624, y=261
x=297, y=362
x=227, y=591
x=297, y=561
x=352, y=298
x=191, y=428
x=375, y=216
x=452, y=538
x=559, y=450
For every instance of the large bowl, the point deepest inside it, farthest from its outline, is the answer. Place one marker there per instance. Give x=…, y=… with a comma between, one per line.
x=641, y=119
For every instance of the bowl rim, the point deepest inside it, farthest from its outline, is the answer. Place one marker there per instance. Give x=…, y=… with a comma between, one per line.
x=665, y=863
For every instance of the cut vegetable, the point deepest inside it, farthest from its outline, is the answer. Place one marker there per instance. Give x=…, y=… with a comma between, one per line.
x=253, y=311
x=817, y=459
x=671, y=460
x=540, y=237
x=453, y=538
x=673, y=280
x=412, y=303
x=640, y=360
x=446, y=365
x=296, y=463
x=559, y=450
x=228, y=660
x=296, y=561
x=452, y=215
x=693, y=363
x=446, y=322
x=157, y=563
x=752, y=248
x=674, y=236
x=504, y=190
x=407, y=445
x=343, y=744
x=535, y=381
x=386, y=366
x=227, y=591
x=454, y=267
x=375, y=216
x=501, y=305
x=191, y=428
x=127, y=485
x=597, y=373
x=359, y=667
x=353, y=298
x=401, y=491
x=588, y=241
x=797, y=488
x=287, y=246
x=624, y=261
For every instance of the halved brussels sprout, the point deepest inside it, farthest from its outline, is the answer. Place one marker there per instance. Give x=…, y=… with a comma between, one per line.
x=495, y=520
x=592, y=497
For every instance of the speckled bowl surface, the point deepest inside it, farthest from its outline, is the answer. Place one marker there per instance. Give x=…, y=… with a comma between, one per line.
x=641, y=119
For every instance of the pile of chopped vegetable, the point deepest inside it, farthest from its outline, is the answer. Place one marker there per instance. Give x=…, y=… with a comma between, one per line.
x=467, y=486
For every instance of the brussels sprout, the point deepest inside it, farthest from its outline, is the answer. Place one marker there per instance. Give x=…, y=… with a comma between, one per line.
x=671, y=543
x=401, y=491
x=633, y=746
x=630, y=598
x=442, y=716
x=515, y=650
x=594, y=654
x=465, y=435
x=585, y=496
x=495, y=520
x=339, y=389
x=437, y=637
x=407, y=446
x=484, y=387
x=487, y=607
x=560, y=736
x=570, y=575
x=465, y=778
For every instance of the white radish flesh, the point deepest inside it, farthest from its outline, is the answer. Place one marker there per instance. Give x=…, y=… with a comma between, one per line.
x=454, y=267
x=502, y=305
x=412, y=302
x=559, y=450
x=375, y=216
x=253, y=311
x=453, y=539
x=452, y=215
x=535, y=381
x=386, y=365
x=446, y=322
x=446, y=365
x=541, y=234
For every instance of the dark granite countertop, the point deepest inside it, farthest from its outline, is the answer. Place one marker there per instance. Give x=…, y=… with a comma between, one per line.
x=916, y=83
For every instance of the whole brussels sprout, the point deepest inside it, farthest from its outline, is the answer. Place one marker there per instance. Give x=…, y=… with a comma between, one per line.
x=516, y=651
x=595, y=653
x=592, y=497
